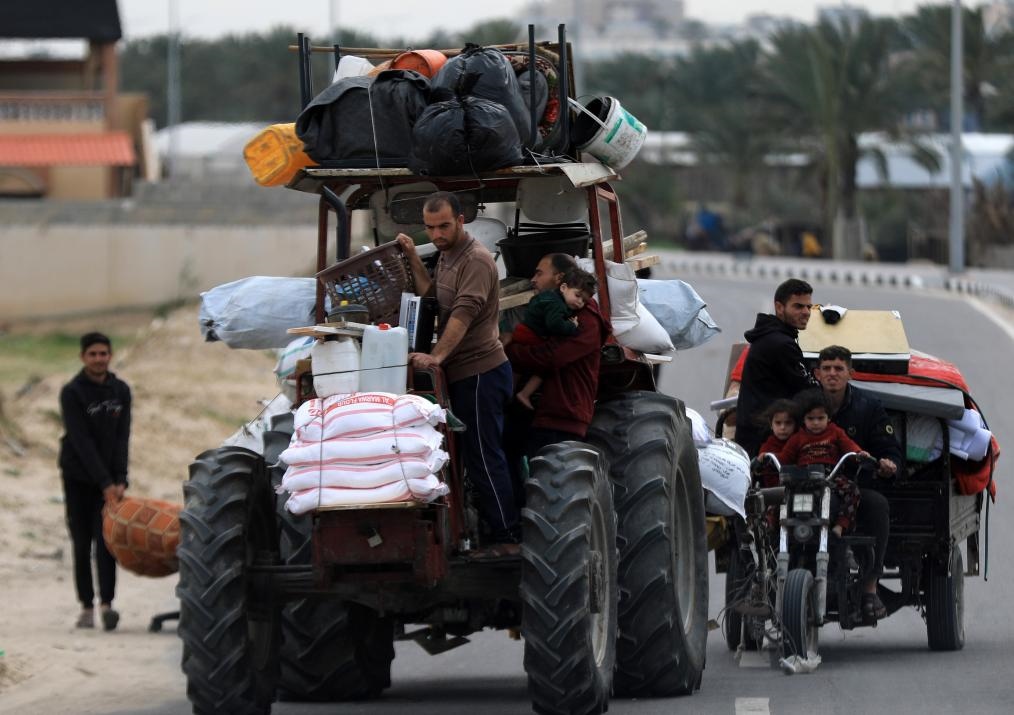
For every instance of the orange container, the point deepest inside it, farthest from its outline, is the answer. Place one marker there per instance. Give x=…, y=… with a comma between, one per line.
x=142, y=535
x=275, y=155
x=425, y=62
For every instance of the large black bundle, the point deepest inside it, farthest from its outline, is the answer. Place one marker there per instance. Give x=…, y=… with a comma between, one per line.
x=338, y=125
x=487, y=73
x=463, y=136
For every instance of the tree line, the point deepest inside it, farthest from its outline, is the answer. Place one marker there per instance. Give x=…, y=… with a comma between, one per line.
x=808, y=90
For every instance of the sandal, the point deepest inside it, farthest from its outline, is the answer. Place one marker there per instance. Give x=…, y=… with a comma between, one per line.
x=873, y=606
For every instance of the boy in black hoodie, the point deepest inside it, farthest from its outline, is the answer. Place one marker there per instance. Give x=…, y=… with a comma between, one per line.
x=93, y=461
x=774, y=364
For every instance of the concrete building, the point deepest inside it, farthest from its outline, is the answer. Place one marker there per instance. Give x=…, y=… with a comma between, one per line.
x=65, y=131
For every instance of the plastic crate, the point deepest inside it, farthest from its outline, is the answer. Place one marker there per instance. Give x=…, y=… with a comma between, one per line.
x=375, y=279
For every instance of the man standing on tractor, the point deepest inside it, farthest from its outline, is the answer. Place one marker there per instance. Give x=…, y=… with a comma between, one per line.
x=468, y=349
x=774, y=365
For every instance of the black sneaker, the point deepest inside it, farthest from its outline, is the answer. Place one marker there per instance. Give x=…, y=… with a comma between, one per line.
x=109, y=619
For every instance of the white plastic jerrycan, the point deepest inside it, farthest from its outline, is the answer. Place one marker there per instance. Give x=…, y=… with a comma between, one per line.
x=335, y=367
x=385, y=360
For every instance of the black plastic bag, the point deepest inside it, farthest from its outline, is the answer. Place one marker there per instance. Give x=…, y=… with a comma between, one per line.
x=486, y=73
x=364, y=121
x=464, y=136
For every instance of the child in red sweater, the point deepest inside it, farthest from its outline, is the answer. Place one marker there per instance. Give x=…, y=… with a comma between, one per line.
x=823, y=442
x=781, y=417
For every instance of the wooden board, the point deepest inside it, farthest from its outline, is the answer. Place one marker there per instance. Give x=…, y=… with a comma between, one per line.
x=642, y=262
x=385, y=505
x=877, y=332
x=513, y=301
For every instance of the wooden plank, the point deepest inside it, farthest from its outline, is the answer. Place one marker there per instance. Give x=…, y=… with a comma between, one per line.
x=513, y=286
x=642, y=262
x=629, y=242
x=384, y=505
x=513, y=301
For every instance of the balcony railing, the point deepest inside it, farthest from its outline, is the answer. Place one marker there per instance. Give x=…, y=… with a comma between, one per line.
x=55, y=106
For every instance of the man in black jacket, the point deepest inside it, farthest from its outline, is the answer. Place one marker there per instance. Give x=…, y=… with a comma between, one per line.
x=774, y=365
x=93, y=461
x=865, y=420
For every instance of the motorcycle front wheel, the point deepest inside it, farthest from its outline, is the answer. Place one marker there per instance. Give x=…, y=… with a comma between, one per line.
x=799, y=615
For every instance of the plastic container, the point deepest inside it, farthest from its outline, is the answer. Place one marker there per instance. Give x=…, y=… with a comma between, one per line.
x=608, y=132
x=425, y=62
x=385, y=360
x=335, y=367
x=275, y=155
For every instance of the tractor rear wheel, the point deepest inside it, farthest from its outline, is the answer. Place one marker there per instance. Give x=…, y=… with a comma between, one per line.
x=568, y=581
x=661, y=532
x=228, y=625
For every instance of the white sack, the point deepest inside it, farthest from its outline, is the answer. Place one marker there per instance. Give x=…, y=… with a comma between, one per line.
x=285, y=368
x=644, y=334
x=363, y=414
x=363, y=476
x=251, y=435
x=622, y=283
x=725, y=476
x=426, y=489
x=699, y=429
x=256, y=312
x=417, y=442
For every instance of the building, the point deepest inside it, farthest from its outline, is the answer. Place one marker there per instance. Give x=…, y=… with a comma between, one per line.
x=65, y=130
x=605, y=29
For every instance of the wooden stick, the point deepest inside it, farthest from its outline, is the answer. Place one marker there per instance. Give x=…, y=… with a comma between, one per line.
x=629, y=242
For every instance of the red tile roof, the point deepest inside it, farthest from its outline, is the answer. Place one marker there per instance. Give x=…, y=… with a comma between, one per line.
x=105, y=149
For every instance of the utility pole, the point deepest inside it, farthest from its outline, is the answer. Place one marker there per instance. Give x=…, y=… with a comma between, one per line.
x=956, y=234
x=173, y=96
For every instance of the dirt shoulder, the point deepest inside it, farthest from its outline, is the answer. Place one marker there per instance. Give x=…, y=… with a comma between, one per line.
x=188, y=396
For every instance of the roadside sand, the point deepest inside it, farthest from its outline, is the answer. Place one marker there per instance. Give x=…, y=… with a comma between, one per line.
x=188, y=396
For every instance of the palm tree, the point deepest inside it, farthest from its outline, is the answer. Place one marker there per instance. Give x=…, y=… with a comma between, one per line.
x=987, y=58
x=714, y=101
x=827, y=84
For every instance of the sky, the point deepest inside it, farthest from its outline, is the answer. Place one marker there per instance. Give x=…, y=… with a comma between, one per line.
x=393, y=18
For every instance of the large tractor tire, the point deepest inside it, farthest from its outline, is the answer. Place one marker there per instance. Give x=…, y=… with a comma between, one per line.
x=331, y=650
x=800, y=629
x=568, y=581
x=229, y=628
x=945, y=608
x=661, y=532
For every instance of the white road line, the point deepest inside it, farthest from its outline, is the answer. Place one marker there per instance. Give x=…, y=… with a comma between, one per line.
x=990, y=312
x=752, y=706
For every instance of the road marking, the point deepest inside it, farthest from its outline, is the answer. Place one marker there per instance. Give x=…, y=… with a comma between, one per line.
x=990, y=313
x=752, y=706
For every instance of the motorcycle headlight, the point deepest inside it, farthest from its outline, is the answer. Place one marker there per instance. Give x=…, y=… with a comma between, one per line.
x=802, y=503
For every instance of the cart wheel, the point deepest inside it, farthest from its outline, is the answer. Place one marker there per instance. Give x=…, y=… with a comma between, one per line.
x=945, y=603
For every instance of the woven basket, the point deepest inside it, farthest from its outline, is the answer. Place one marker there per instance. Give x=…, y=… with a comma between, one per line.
x=142, y=535
x=375, y=279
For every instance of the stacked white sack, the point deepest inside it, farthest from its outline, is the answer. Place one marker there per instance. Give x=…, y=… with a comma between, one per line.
x=365, y=448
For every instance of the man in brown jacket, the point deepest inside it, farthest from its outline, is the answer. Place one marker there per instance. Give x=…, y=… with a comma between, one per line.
x=468, y=348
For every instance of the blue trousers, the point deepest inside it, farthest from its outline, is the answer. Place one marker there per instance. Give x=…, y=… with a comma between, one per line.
x=479, y=402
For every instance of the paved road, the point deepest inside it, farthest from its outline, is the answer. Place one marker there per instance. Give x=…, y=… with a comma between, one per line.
x=887, y=669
